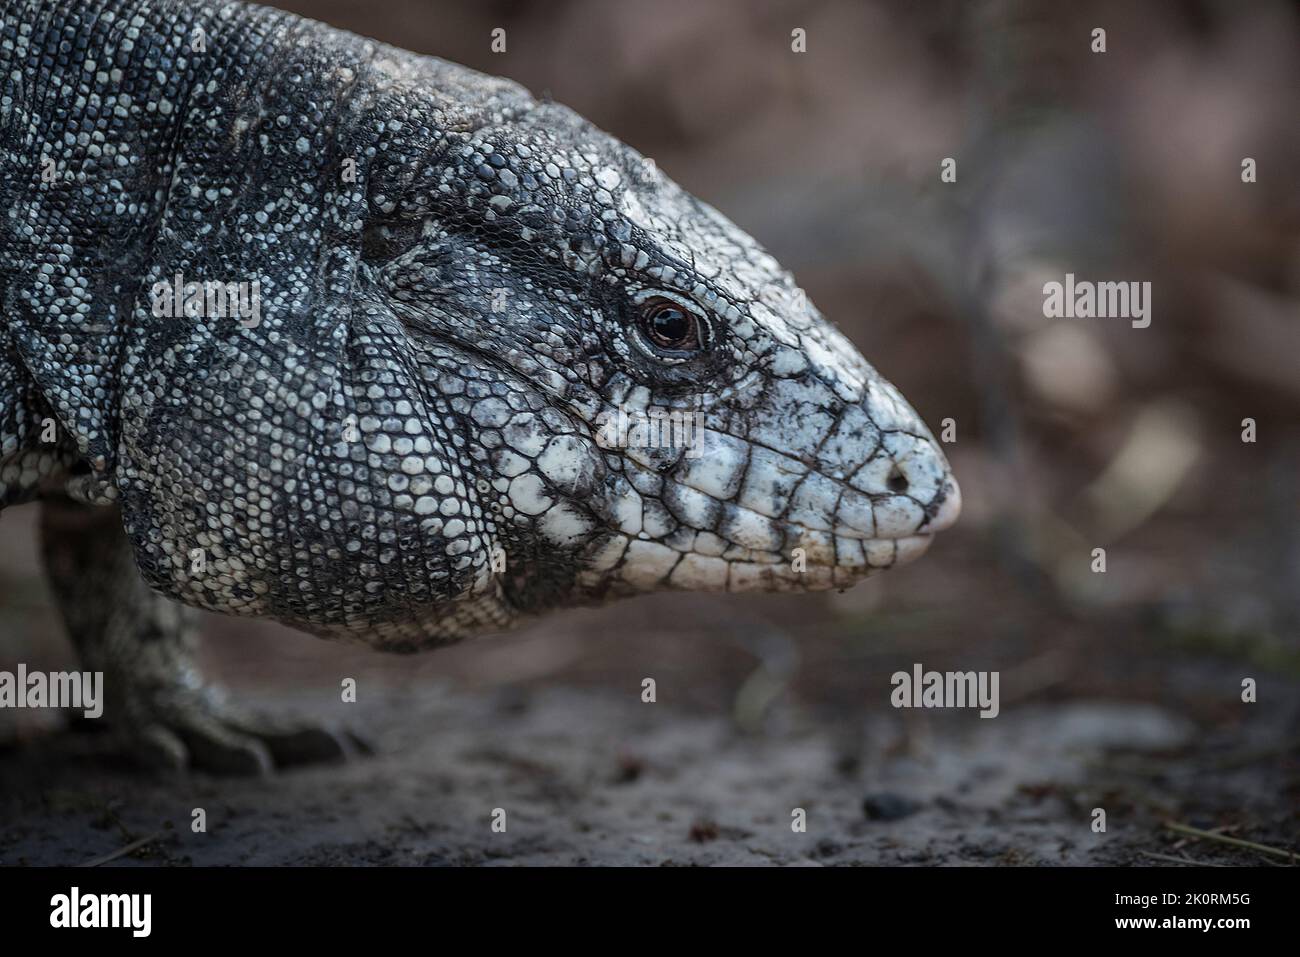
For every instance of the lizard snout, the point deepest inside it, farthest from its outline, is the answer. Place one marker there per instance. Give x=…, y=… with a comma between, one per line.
x=948, y=510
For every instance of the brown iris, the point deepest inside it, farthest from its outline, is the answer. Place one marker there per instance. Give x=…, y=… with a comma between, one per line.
x=666, y=325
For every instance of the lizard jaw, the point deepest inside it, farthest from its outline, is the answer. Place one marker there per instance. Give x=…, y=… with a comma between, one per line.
x=625, y=562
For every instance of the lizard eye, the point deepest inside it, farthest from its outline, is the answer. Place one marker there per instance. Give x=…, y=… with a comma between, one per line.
x=670, y=326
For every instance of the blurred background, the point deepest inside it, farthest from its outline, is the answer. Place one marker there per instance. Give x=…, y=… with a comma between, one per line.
x=1119, y=690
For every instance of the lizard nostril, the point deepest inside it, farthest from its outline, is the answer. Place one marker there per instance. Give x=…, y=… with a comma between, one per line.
x=897, y=481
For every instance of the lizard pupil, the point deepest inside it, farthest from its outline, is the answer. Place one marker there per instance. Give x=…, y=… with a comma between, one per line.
x=669, y=326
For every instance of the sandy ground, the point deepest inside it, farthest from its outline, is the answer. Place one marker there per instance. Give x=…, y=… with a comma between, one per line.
x=587, y=779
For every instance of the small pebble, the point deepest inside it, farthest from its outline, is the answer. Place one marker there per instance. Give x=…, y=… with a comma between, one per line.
x=888, y=807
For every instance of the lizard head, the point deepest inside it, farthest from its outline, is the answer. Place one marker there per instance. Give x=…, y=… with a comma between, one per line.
x=648, y=398
x=505, y=365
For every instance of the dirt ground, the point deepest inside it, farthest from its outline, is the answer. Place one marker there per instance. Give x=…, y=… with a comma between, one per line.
x=584, y=779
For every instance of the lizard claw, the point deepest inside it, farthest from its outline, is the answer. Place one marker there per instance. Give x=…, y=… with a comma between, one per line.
x=219, y=740
x=292, y=744
x=203, y=744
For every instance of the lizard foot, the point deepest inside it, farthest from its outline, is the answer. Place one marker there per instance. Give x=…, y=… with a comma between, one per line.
x=211, y=735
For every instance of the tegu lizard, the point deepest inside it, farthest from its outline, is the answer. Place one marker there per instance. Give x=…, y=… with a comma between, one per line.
x=304, y=327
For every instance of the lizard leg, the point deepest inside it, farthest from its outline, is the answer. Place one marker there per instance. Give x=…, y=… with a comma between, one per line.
x=144, y=644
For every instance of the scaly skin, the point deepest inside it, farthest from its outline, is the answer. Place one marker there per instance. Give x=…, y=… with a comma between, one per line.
x=461, y=286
